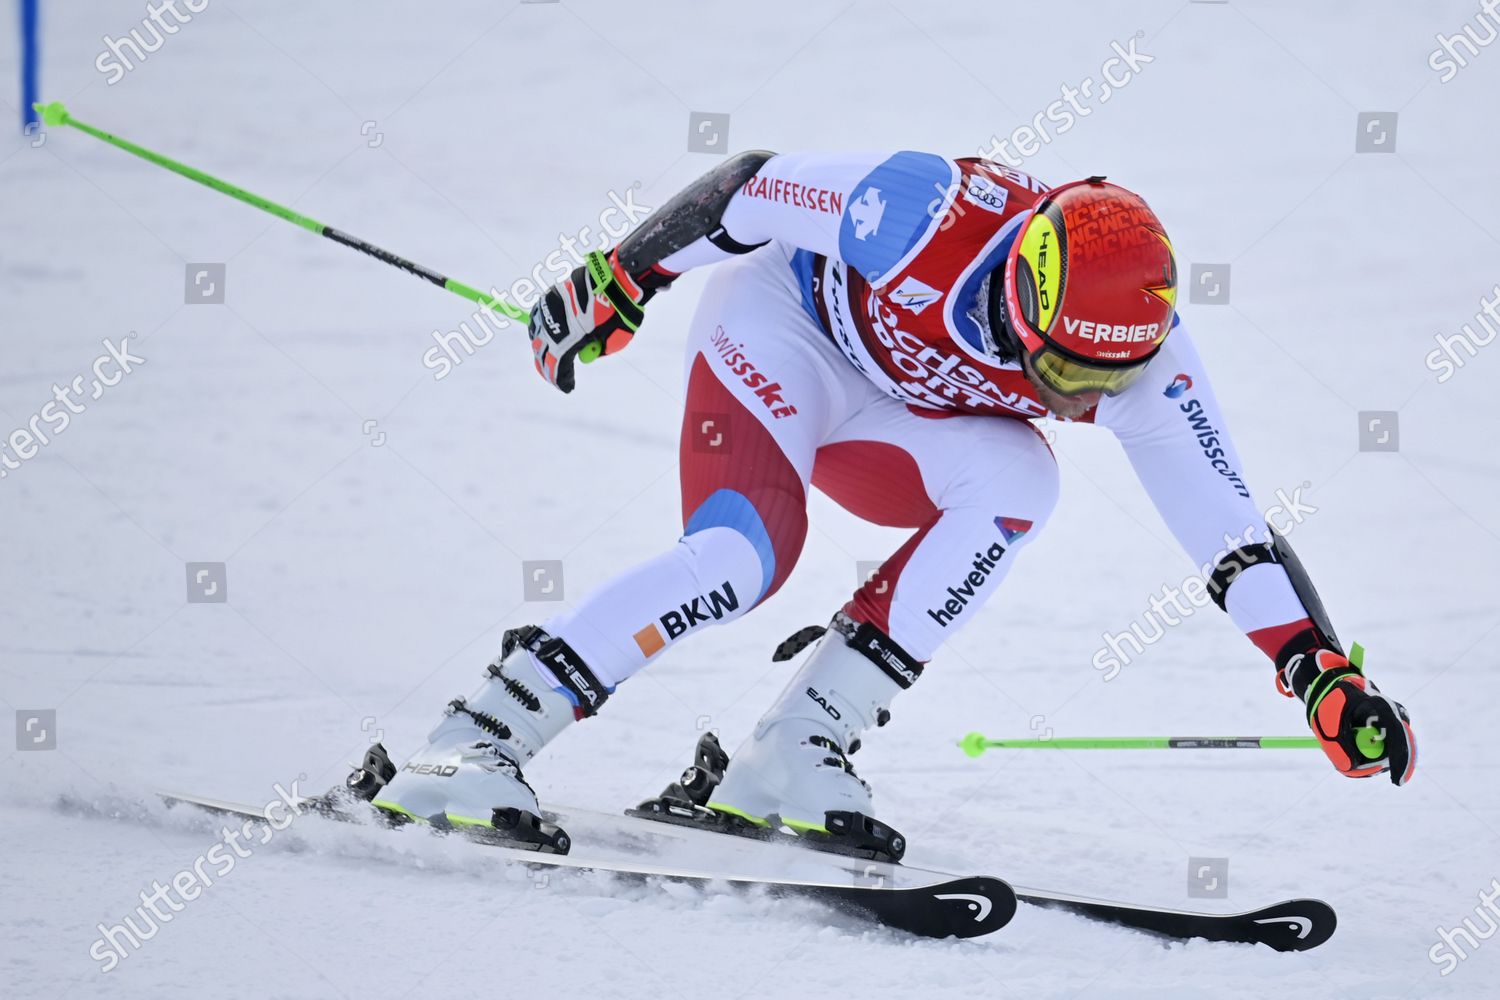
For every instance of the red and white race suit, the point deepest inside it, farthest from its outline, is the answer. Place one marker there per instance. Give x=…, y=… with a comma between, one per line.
x=852, y=353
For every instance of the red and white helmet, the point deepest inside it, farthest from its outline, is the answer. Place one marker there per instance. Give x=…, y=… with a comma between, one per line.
x=1090, y=287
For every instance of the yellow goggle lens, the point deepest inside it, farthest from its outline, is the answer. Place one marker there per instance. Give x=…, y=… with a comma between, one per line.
x=1074, y=378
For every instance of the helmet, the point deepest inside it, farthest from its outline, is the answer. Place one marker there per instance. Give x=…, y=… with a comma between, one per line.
x=1090, y=286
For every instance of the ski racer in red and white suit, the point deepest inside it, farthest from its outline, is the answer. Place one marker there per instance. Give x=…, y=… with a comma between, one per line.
x=884, y=327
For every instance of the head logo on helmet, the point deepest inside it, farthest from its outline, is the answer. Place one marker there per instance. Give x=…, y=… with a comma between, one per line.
x=1090, y=286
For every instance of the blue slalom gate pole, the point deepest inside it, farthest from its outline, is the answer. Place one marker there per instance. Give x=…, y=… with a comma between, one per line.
x=30, y=58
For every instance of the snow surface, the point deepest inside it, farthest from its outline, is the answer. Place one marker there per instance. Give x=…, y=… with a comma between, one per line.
x=368, y=584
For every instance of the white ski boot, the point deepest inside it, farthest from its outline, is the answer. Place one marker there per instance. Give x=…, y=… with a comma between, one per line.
x=469, y=773
x=794, y=772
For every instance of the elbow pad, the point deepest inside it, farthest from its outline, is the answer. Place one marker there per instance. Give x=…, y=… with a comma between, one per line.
x=692, y=214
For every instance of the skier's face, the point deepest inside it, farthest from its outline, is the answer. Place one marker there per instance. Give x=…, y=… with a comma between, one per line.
x=1068, y=407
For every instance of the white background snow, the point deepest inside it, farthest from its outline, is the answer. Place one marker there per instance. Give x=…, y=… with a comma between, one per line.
x=369, y=584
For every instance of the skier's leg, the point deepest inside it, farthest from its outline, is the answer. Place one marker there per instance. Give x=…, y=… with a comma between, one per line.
x=763, y=386
x=744, y=522
x=976, y=490
x=979, y=489
x=763, y=392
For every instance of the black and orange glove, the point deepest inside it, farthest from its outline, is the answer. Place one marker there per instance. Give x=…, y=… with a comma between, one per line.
x=594, y=311
x=1362, y=731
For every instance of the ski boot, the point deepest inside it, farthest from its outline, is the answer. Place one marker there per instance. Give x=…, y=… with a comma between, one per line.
x=794, y=773
x=468, y=776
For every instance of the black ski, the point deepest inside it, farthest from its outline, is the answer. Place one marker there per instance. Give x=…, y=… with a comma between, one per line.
x=1291, y=925
x=856, y=865
x=929, y=904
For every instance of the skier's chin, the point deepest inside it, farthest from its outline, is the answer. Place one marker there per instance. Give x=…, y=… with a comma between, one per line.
x=1067, y=407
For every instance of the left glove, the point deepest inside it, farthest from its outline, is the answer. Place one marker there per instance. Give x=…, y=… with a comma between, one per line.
x=1362, y=731
x=595, y=310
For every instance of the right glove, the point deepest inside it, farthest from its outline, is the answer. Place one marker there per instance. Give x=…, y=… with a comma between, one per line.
x=595, y=310
x=1362, y=731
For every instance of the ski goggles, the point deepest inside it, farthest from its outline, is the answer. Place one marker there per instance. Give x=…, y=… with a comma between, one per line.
x=1073, y=376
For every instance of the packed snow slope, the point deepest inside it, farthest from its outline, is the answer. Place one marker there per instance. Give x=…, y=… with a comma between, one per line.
x=372, y=519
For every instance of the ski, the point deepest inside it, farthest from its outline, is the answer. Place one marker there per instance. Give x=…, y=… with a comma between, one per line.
x=920, y=901
x=913, y=900
x=1290, y=925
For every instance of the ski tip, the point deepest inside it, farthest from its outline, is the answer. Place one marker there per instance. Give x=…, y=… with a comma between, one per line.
x=1293, y=924
x=53, y=115
x=970, y=907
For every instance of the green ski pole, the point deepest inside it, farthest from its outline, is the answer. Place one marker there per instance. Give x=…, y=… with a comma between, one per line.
x=975, y=744
x=54, y=115
x=1369, y=739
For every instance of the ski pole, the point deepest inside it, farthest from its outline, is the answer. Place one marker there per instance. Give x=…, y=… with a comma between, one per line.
x=975, y=744
x=1369, y=739
x=54, y=115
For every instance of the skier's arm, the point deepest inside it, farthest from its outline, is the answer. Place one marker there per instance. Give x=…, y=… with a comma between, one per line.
x=602, y=303
x=1176, y=438
x=1174, y=434
x=805, y=200
x=868, y=209
x=743, y=204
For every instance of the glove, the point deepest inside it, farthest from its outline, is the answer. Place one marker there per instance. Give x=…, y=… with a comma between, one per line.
x=595, y=310
x=1362, y=731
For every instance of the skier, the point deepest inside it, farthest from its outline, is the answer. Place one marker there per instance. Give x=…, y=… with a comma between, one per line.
x=883, y=327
